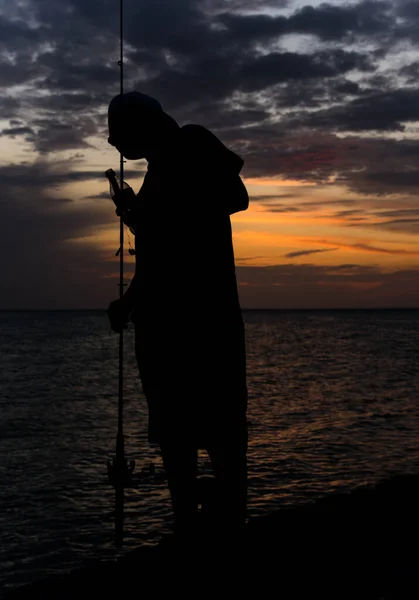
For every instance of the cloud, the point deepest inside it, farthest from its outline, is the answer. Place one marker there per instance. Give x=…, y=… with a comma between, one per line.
x=47, y=175
x=340, y=286
x=280, y=208
x=316, y=93
x=382, y=111
x=328, y=22
x=101, y=196
x=17, y=131
x=369, y=248
x=195, y=64
x=349, y=213
x=399, y=213
x=50, y=257
x=373, y=165
x=9, y=107
x=313, y=205
x=216, y=78
x=410, y=226
x=265, y=71
x=307, y=252
x=214, y=7
x=198, y=69
x=382, y=181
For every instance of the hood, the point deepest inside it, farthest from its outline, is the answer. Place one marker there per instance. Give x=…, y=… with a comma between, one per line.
x=204, y=151
x=205, y=146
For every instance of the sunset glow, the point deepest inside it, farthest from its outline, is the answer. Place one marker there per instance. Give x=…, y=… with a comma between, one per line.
x=324, y=113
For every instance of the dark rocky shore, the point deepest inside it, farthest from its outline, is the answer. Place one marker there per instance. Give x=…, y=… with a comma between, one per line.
x=359, y=545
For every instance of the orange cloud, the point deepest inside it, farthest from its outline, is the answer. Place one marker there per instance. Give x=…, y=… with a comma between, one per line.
x=366, y=247
x=278, y=182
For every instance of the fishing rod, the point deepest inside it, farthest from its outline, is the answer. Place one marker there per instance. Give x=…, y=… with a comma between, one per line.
x=119, y=469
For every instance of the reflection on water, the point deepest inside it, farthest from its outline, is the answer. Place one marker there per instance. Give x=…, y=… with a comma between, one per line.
x=332, y=405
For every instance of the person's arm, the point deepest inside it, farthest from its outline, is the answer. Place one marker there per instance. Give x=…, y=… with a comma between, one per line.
x=119, y=310
x=129, y=296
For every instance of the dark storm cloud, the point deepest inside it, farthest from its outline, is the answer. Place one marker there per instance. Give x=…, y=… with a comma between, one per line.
x=408, y=15
x=210, y=79
x=402, y=225
x=399, y=213
x=331, y=22
x=400, y=177
x=16, y=131
x=298, y=253
x=194, y=68
x=42, y=175
x=276, y=150
x=328, y=22
x=194, y=63
x=265, y=71
x=217, y=117
x=411, y=72
x=45, y=176
x=18, y=33
x=369, y=165
x=55, y=50
x=365, y=247
x=215, y=6
x=388, y=111
x=66, y=75
x=55, y=135
x=396, y=180
x=275, y=204
x=213, y=63
x=380, y=250
x=49, y=257
x=12, y=75
x=101, y=196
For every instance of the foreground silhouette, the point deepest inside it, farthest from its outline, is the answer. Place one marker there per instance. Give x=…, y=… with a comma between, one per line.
x=357, y=545
x=183, y=299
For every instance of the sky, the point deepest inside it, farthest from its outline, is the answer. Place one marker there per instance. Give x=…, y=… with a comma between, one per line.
x=321, y=100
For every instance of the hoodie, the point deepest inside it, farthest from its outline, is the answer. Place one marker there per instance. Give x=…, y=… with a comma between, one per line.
x=190, y=343
x=183, y=219
x=205, y=156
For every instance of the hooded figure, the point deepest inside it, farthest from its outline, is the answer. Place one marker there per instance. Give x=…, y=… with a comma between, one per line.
x=183, y=299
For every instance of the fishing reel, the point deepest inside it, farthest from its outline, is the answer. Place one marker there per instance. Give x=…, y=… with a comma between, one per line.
x=120, y=472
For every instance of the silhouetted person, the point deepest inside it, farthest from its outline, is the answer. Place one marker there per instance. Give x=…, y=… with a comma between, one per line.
x=183, y=299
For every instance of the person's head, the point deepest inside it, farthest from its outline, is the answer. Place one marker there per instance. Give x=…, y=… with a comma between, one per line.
x=136, y=124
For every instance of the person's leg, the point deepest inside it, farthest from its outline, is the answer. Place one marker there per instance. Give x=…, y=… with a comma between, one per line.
x=180, y=464
x=228, y=454
x=229, y=501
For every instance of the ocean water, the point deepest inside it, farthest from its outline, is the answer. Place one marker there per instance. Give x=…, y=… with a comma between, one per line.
x=333, y=404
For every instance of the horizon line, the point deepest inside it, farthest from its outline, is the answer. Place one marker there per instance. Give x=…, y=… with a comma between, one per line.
x=242, y=309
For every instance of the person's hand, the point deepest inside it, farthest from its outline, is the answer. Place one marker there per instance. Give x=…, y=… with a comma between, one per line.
x=118, y=313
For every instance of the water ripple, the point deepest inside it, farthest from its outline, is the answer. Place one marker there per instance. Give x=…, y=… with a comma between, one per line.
x=332, y=405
